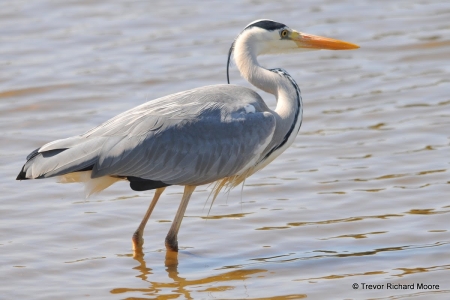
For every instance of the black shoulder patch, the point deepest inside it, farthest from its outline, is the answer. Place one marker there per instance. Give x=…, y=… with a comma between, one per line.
x=267, y=24
x=140, y=184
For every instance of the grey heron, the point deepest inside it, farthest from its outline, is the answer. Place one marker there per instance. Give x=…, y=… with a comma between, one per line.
x=220, y=133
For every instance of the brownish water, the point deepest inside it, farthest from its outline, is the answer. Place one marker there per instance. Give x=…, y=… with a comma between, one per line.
x=361, y=197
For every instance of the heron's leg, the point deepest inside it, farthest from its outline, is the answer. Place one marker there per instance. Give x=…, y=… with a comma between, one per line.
x=171, y=238
x=137, y=239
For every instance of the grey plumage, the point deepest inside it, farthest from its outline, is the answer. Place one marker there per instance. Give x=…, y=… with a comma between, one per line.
x=189, y=138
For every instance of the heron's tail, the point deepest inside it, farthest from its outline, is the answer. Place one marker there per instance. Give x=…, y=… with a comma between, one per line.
x=61, y=157
x=71, y=159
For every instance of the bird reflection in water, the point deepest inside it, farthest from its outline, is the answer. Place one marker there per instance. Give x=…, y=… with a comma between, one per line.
x=180, y=285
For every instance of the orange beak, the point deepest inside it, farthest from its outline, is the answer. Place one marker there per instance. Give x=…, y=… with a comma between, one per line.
x=304, y=40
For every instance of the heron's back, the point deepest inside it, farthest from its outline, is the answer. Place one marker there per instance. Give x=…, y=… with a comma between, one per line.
x=193, y=137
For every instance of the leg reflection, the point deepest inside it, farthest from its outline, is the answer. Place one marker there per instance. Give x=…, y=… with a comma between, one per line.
x=142, y=267
x=158, y=287
x=171, y=261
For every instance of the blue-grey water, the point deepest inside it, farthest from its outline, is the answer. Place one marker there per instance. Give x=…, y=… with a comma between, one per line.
x=361, y=197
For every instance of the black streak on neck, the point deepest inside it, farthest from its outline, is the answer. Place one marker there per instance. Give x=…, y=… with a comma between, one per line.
x=297, y=113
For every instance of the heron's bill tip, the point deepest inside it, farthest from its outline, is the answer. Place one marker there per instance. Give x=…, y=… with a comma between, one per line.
x=305, y=40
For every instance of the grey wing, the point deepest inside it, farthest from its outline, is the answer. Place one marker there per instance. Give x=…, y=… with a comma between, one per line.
x=194, y=144
x=193, y=137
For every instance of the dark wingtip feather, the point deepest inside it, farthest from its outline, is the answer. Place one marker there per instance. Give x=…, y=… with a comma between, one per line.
x=33, y=154
x=22, y=175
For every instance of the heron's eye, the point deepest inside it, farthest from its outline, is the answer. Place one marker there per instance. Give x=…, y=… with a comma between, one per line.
x=284, y=33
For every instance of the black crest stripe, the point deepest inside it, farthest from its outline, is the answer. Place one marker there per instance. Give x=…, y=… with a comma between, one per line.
x=267, y=24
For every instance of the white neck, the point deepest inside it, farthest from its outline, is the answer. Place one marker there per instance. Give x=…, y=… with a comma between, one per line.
x=245, y=56
x=288, y=112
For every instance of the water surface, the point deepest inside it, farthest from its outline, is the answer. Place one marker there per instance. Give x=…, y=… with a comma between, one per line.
x=361, y=196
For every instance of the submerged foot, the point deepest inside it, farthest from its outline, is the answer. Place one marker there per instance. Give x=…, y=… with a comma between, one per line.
x=137, y=240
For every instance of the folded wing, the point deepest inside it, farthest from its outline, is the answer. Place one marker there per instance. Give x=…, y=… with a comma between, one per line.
x=193, y=137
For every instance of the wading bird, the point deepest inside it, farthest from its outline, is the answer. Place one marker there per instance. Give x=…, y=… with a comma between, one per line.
x=219, y=133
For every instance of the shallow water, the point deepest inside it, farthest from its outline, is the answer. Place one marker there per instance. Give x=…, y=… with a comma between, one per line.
x=361, y=196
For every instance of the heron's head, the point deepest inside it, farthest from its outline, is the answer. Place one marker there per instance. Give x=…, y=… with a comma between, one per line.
x=269, y=37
